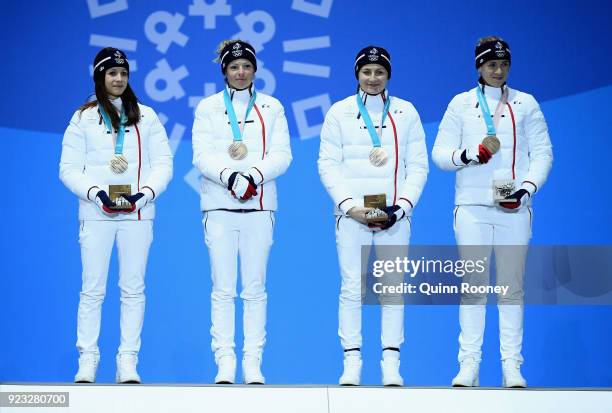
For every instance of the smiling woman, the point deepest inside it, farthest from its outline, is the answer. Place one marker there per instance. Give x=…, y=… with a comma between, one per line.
x=493, y=72
x=240, y=74
x=496, y=139
x=373, y=79
x=238, y=64
x=372, y=148
x=240, y=145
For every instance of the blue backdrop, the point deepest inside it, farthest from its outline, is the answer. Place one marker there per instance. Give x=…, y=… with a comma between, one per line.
x=306, y=51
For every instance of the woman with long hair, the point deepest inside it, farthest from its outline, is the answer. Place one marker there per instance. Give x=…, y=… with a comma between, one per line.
x=117, y=161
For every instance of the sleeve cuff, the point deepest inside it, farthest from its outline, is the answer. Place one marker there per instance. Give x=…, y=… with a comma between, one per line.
x=89, y=192
x=224, y=175
x=256, y=174
x=529, y=187
x=406, y=205
x=346, y=205
x=456, y=159
x=149, y=193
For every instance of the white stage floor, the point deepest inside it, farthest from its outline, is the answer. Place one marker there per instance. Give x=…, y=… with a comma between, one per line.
x=148, y=398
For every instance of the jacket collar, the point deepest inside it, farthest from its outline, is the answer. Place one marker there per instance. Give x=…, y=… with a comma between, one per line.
x=241, y=96
x=117, y=103
x=490, y=91
x=374, y=102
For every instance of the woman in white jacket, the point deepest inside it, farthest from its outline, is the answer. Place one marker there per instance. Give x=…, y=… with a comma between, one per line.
x=496, y=139
x=113, y=141
x=240, y=145
x=371, y=144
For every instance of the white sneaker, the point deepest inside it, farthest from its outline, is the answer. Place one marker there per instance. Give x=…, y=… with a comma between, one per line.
x=511, y=374
x=352, y=369
x=468, y=374
x=226, y=370
x=390, y=372
x=88, y=365
x=251, y=370
x=126, y=369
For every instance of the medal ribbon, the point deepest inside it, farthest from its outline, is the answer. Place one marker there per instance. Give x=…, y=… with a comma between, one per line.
x=368, y=121
x=231, y=114
x=486, y=112
x=120, y=132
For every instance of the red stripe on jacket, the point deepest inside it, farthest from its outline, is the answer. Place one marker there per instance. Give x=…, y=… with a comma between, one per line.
x=514, y=133
x=263, y=152
x=396, y=159
x=139, y=162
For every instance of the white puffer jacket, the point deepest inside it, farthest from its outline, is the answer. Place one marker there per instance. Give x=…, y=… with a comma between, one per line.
x=344, y=163
x=266, y=137
x=525, y=153
x=87, y=149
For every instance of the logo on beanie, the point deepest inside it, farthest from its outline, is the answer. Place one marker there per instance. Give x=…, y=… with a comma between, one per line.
x=119, y=58
x=373, y=56
x=237, y=51
x=499, y=50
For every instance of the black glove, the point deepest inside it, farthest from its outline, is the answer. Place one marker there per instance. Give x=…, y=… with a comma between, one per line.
x=515, y=199
x=394, y=213
x=104, y=202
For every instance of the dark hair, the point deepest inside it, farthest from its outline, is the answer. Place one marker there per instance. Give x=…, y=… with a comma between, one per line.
x=129, y=99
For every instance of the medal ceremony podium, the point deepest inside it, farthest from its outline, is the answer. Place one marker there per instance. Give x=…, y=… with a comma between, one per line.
x=154, y=398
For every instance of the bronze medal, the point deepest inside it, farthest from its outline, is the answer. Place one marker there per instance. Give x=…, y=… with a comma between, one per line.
x=378, y=157
x=492, y=143
x=237, y=150
x=118, y=164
